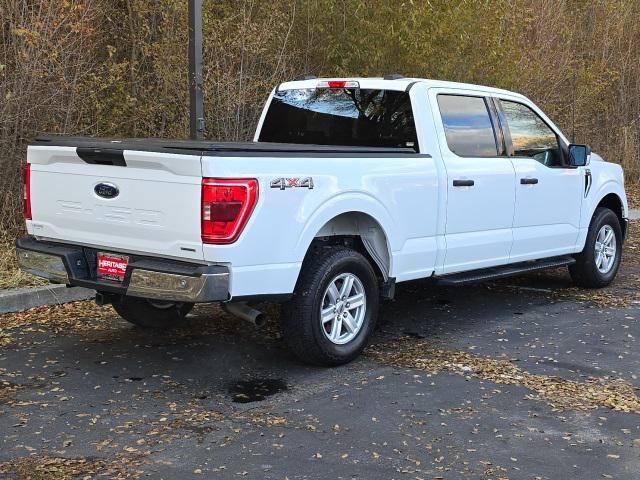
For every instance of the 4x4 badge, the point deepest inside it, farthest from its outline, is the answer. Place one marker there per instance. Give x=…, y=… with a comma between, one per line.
x=283, y=183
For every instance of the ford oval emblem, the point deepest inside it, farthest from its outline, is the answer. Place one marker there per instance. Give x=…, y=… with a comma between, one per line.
x=106, y=190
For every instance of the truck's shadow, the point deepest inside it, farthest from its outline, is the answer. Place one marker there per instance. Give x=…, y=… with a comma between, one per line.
x=419, y=309
x=425, y=310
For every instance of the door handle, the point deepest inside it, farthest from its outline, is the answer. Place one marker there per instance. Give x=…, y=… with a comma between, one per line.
x=463, y=183
x=528, y=181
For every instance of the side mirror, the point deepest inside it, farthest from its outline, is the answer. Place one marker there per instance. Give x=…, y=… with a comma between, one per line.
x=579, y=155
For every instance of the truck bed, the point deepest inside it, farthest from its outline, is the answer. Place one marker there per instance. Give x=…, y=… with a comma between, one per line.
x=157, y=185
x=209, y=148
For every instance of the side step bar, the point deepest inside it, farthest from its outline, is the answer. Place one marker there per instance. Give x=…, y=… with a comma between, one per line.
x=494, y=273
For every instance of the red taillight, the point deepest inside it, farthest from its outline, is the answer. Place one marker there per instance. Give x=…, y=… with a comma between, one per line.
x=226, y=206
x=27, y=191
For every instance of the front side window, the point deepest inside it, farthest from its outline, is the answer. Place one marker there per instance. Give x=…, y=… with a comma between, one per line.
x=467, y=126
x=531, y=136
x=344, y=117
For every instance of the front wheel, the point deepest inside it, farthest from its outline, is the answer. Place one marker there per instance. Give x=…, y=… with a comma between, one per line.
x=334, y=308
x=597, y=265
x=147, y=313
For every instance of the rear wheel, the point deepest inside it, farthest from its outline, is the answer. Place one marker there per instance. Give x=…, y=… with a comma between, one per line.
x=334, y=308
x=597, y=265
x=147, y=313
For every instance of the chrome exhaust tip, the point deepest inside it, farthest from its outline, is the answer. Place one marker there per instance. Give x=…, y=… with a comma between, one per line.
x=245, y=312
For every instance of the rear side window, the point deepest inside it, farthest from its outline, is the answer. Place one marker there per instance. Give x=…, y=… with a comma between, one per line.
x=345, y=117
x=467, y=126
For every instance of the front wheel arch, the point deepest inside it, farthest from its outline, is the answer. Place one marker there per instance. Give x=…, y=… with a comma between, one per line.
x=584, y=271
x=613, y=202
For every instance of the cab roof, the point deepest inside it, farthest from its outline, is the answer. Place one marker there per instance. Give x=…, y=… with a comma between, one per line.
x=393, y=84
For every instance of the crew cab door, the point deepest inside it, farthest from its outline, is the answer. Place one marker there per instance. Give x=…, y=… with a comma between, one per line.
x=548, y=191
x=480, y=181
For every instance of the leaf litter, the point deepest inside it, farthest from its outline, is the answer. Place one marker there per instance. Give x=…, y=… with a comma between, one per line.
x=45, y=467
x=102, y=324
x=558, y=392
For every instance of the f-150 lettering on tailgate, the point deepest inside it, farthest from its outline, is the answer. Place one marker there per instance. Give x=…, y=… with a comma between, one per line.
x=113, y=214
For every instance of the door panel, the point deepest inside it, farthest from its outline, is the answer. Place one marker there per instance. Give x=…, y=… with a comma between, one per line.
x=547, y=214
x=548, y=192
x=480, y=183
x=479, y=218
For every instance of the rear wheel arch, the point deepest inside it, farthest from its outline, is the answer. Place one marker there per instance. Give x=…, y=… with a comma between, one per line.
x=359, y=231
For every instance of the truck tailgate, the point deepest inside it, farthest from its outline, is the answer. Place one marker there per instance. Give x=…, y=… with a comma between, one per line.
x=150, y=204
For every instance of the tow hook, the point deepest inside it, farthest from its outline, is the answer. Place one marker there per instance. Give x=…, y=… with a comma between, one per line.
x=245, y=312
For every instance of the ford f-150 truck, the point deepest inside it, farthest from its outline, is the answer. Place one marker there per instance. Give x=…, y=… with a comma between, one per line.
x=349, y=187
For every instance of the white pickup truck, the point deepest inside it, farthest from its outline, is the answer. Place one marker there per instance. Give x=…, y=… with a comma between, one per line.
x=349, y=187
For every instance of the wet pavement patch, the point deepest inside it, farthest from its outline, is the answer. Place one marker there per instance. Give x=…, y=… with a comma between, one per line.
x=255, y=390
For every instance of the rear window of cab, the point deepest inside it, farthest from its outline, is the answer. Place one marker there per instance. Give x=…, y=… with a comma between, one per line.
x=343, y=117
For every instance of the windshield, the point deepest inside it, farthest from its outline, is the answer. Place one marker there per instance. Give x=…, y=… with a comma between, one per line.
x=345, y=117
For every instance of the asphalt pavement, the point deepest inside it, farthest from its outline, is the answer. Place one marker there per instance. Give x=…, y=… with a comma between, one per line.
x=84, y=394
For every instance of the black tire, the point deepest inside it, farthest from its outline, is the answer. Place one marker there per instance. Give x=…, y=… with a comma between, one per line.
x=150, y=314
x=304, y=332
x=584, y=272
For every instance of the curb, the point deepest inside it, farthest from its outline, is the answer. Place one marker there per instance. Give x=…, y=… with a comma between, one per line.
x=19, y=299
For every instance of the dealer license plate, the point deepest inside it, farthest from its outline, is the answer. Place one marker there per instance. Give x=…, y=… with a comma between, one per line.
x=112, y=266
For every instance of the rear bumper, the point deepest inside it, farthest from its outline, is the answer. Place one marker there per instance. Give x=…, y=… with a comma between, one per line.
x=145, y=277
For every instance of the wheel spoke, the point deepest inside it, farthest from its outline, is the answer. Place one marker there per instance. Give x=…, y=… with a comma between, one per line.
x=608, y=237
x=333, y=293
x=328, y=314
x=355, y=301
x=349, y=322
x=336, y=328
x=347, y=285
x=599, y=259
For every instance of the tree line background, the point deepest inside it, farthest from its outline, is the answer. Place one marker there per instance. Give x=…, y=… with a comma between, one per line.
x=119, y=67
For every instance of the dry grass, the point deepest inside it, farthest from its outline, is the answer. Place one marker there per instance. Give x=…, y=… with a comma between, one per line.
x=10, y=275
x=633, y=194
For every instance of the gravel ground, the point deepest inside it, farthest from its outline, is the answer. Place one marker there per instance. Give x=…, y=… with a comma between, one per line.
x=525, y=378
